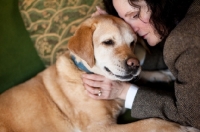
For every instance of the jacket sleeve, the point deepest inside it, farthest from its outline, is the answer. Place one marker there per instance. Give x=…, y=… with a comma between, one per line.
x=182, y=56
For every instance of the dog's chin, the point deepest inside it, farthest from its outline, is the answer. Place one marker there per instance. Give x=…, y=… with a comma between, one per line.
x=127, y=77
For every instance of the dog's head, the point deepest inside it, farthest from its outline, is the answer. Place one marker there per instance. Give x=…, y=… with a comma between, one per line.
x=105, y=45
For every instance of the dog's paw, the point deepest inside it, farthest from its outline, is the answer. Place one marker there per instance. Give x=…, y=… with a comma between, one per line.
x=168, y=74
x=189, y=129
x=157, y=76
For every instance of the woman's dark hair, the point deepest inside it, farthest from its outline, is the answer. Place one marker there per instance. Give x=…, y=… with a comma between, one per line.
x=166, y=13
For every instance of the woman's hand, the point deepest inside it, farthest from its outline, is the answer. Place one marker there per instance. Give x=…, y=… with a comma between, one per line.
x=99, y=11
x=99, y=87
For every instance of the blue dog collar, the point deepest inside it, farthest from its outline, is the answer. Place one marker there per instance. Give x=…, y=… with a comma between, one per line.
x=80, y=65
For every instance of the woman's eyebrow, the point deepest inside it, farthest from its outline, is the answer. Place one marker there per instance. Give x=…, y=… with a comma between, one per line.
x=134, y=8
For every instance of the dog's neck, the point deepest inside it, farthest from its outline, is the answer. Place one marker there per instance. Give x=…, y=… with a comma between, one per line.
x=80, y=65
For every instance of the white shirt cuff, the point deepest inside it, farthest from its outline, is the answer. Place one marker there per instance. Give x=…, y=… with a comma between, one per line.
x=130, y=96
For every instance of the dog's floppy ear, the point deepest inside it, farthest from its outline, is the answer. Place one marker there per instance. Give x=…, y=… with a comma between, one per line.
x=82, y=43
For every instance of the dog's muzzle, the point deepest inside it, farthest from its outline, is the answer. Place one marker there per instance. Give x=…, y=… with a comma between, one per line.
x=132, y=68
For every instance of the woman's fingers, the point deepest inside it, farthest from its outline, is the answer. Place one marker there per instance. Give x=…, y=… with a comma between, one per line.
x=94, y=96
x=96, y=93
x=92, y=90
x=92, y=83
x=99, y=87
x=93, y=77
x=97, y=81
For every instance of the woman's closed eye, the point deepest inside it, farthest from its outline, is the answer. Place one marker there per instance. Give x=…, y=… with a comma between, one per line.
x=135, y=15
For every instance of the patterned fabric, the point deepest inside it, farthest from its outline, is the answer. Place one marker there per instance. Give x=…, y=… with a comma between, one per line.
x=52, y=22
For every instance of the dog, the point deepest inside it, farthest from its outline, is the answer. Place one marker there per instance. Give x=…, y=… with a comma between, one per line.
x=55, y=99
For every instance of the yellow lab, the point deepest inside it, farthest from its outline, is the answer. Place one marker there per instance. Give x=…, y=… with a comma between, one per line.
x=55, y=100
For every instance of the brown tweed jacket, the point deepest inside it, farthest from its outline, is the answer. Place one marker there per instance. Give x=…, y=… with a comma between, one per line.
x=182, y=56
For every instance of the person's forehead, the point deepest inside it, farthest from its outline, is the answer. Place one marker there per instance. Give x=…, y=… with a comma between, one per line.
x=128, y=3
x=123, y=7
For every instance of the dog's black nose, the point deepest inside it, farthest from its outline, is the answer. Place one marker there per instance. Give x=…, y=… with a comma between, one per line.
x=133, y=64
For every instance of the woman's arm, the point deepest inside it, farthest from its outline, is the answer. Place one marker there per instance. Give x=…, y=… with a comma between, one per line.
x=181, y=105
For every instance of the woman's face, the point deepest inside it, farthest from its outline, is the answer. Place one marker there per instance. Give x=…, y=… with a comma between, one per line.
x=139, y=19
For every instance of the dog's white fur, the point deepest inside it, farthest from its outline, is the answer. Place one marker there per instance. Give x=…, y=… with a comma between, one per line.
x=55, y=100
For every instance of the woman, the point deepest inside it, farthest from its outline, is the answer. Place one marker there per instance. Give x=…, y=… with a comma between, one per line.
x=175, y=23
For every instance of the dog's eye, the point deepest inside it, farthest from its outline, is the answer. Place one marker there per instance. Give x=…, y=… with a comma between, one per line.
x=109, y=42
